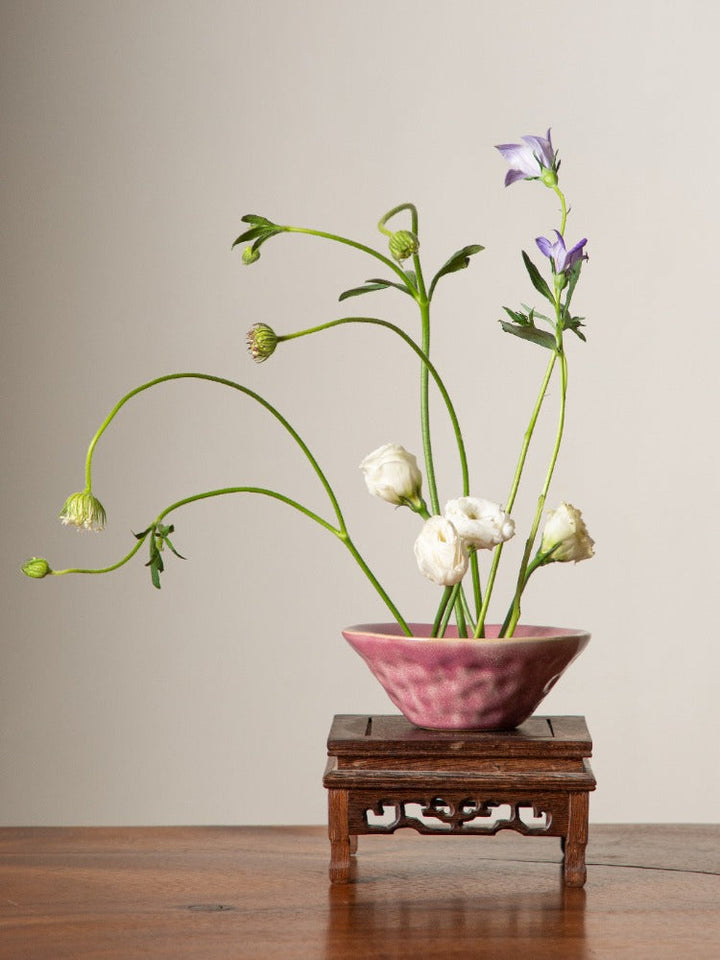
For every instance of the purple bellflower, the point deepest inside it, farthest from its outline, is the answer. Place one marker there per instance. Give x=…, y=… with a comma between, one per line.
x=562, y=259
x=528, y=160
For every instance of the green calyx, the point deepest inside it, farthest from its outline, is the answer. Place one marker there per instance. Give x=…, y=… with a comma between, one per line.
x=36, y=567
x=261, y=342
x=403, y=244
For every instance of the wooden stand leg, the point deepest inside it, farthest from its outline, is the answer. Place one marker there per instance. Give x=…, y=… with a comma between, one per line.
x=574, y=869
x=340, y=841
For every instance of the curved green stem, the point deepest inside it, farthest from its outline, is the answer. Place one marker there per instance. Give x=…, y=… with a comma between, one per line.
x=426, y=363
x=521, y=581
x=235, y=386
x=358, y=246
x=480, y=629
x=395, y=210
x=341, y=534
x=223, y=491
x=115, y=566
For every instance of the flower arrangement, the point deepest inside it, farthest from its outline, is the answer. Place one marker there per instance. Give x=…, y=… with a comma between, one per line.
x=450, y=538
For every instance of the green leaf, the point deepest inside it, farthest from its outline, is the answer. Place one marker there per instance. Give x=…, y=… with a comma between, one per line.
x=371, y=285
x=178, y=555
x=255, y=218
x=573, y=277
x=458, y=261
x=259, y=233
x=574, y=324
x=537, y=281
x=531, y=333
x=155, y=575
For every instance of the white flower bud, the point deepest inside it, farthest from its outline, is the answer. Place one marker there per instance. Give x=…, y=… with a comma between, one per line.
x=392, y=474
x=481, y=523
x=440, y=552
x=565, y=531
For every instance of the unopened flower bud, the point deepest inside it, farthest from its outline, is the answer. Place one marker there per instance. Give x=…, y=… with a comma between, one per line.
x=392, y=474
x=403, y=244
x=249, y=255
x=83, y=510
x=36, y=567
x=566, y=535
x=261, y=342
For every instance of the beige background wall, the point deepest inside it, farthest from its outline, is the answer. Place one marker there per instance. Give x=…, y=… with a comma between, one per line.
x=136, y=134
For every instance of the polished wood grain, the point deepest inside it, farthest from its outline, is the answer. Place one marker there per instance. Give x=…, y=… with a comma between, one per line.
x=384, y=774
x=260, y=893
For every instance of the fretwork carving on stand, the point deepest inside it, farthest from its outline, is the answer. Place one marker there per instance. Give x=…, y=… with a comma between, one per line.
x=454, y=814
x=384, y=774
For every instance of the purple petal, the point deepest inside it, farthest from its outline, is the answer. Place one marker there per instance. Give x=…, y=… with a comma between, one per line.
x=544, y=246
x=512, y=175
x=541, y=149
x=520, y=158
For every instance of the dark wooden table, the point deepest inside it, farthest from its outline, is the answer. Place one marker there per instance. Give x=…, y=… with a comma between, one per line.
x=258, y=893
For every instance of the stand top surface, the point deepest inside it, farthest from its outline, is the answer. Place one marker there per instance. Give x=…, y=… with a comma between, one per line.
x=380, y=735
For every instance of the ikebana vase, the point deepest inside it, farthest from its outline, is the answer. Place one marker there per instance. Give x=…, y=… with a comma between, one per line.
x=458, y=684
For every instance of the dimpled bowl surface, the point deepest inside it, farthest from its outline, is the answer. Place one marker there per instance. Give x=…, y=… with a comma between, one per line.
x=452, y=684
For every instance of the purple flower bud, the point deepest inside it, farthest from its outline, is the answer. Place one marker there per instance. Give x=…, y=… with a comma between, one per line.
x=528, y=160
x=562, y=259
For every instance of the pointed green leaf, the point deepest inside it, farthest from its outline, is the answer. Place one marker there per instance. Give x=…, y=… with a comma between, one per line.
x=537, y=280
x=574, y=324
x=458, y=261
x=573, y=277
x=155, y=575
x=369, y=286
x=366, y=288
x=527, y=332
x=518, y=317
x=255, y=218
x=178, y=555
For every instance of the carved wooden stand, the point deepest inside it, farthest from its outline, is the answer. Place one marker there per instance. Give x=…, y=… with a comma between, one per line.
x=383, y=773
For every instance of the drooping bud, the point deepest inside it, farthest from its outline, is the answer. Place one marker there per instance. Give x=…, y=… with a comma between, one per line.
x=261, y=342
x=403, y=244
x=36, y=567
x=250, y=255
x=84, y=511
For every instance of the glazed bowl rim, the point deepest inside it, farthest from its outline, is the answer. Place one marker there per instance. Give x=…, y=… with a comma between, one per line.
x=549, y=634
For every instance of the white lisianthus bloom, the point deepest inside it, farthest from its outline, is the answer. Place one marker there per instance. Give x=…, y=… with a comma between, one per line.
x=392, y=474
x=440, y=552
x=565, y=530
x=481, y=523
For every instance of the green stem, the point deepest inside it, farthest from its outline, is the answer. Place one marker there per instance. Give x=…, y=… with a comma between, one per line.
x=375, y=582
x=261, y=490
x=515, y=614
x=395, y=210
x=115, y=566
x=480, y=629
x=235, y=386
x=563, y=208
x=341, y=534
x=426, y=364
x=358, y=246
x=452, y=602
x=447, y=592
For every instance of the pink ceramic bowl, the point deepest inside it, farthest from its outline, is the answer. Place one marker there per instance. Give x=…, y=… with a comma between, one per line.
x=453, y=684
